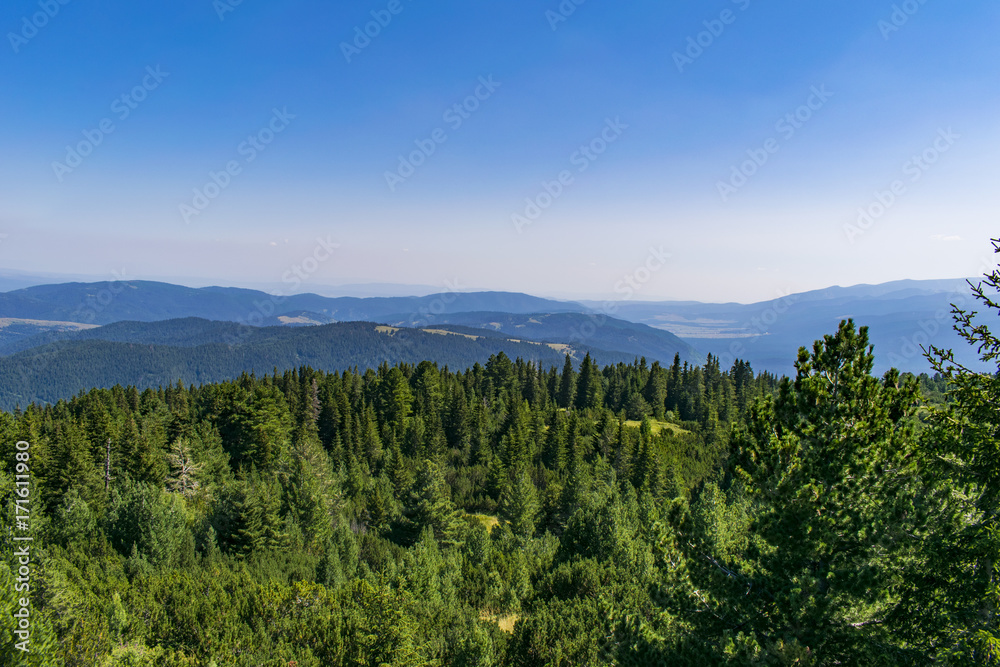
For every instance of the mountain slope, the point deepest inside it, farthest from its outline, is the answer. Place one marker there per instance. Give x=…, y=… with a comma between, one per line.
x=136, y=353
x=16, y=333
x=184, y=332
x=607, y=333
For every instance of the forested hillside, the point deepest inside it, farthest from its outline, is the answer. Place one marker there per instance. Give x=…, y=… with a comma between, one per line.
x=151, y=354
x=595, y=330
x=517, y=514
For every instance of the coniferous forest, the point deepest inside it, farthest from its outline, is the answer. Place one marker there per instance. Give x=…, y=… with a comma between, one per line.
x=512, y=514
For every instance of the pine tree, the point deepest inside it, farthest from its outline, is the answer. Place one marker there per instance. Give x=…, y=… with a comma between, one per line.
x=259, y=526
x=430, y=505
x=135, y=456
x=554, y=456
x=830, y=465
x=381, y=504
x=519, y=503
x=514, y=446
x=395, y=401
x=567, y=384
x=371, y=443
x=590, y=392
x=75, y=467
x=647, y=473
x=674, y=385
x=311, y=494
x=328, y=422
x=655, y=391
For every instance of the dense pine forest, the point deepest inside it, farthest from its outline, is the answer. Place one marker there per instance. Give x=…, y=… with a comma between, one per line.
x=513, y=514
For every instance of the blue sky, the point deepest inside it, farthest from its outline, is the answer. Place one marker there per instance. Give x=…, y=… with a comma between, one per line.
x=740, y=138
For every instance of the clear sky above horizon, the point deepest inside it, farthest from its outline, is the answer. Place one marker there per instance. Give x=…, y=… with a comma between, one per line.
x=727, y=150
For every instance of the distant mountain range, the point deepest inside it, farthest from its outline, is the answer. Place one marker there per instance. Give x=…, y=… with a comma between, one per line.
x=902, y=316
x=56, y=340
x=146, y=301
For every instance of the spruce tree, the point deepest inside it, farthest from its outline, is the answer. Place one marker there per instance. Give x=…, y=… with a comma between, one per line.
x=430, y=505
x=590, y=391
x=519, y=503
x=567, y=384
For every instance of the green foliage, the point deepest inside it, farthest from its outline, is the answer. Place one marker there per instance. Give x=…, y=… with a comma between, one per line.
x=567, y=384
x=964, y=439
x=150, y=521
x=832, y=561
x=519, y=504
x=430, y=505
x=510, y=514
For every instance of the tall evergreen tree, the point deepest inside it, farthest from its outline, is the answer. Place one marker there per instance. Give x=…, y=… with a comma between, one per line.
x=519, y=503
x=567, y=385
x=655, y=391
x=430, y=505
x=590, y=392
x=830, y=467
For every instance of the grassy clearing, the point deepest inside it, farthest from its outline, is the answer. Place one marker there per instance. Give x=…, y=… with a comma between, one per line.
x=658, y=426
x=487, y=520
x=445, y=332
x=505, y=623
x=70, y=326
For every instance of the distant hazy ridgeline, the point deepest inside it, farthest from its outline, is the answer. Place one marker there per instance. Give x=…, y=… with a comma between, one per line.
x=156, y=333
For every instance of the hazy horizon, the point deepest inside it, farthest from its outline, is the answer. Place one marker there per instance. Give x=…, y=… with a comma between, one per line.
x=11, y=282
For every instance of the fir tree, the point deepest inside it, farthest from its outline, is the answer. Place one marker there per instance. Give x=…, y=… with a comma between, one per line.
x=519, y=503
x=430, y=505
x=567, y=384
